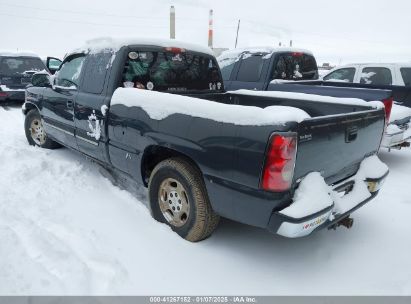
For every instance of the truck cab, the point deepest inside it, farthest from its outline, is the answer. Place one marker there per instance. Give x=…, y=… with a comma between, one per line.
x=255, y=68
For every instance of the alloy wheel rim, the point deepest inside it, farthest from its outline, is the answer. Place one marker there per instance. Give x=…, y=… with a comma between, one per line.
x=37, y=132
x=173, y=201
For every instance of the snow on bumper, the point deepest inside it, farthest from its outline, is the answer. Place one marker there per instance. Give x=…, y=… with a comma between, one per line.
x=315, y=204
x=396, y=135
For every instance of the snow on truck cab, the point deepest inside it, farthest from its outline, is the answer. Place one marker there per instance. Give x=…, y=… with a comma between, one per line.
x=156, y=111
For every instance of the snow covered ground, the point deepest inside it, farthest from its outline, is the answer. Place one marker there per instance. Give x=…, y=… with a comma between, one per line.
x=65, y=229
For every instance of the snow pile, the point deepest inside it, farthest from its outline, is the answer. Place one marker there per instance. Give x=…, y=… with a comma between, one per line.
x=399, y=112
x=161, y=105
x=392, y=129
x=312, y=97
x=312, y=195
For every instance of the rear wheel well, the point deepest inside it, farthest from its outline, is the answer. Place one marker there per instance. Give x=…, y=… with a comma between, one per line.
x=154, y=155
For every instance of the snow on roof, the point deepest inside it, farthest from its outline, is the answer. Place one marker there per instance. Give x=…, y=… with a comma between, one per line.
x=18, y=54
x=161, y=105
x=264, y=49
x=98, y=44
x=231, y=56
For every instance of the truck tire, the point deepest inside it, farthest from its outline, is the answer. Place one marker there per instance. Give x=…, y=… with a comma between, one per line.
x=35, y=133
x=178, y=197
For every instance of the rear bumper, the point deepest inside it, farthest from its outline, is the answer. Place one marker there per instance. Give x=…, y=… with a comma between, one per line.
x=299, y=227
x=266, y=209
x=6, y=96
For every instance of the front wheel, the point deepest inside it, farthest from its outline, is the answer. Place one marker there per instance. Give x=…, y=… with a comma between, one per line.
x=35, y=133
x=178, y=197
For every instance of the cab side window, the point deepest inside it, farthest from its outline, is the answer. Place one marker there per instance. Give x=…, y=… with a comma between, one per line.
x=345, y=74
x=406, y=76
x=250, y=68
x=377, y=76
x=95, y=72
x=226, y=66
x=70, y=71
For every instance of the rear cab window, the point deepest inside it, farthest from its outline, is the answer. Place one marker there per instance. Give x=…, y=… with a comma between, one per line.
x=294, y=66
x=171, y=70
x=376, y=76
x=406, y=76
x=18, y=65
x=344, y=74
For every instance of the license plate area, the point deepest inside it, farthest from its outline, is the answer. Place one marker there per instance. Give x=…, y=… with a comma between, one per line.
x=344, y=188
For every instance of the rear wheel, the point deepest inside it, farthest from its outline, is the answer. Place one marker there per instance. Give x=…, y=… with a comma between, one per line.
x=35, y=133
x=178, y=197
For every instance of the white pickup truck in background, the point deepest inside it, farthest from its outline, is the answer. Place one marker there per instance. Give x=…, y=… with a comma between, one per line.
x=372, y=73
x=398, y=132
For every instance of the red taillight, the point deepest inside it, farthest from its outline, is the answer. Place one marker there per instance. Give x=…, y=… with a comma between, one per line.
x=175, y=50
x=279, y=163
x=388, y=106
x=3, y=94
x=297, y=54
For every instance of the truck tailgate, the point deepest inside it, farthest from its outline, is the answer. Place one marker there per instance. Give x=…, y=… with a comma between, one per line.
x=335, y=145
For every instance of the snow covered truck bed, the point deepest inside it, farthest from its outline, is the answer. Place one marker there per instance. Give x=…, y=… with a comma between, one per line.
x=158, y=113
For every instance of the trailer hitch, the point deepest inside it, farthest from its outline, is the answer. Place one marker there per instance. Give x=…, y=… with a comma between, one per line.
x=347, y=222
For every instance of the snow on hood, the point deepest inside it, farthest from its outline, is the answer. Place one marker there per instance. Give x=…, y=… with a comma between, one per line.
x=161, y=105
x=312, y=97
x=99, y=44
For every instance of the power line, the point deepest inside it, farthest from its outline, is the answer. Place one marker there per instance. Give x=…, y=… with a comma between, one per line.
x=77, y=22
x=100, y=14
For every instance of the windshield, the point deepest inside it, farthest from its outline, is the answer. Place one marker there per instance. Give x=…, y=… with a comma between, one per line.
x=295, y=66
x=172, y=71
x=19, y=65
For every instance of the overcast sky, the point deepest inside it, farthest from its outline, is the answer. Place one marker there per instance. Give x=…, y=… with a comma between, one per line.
x=336, y=31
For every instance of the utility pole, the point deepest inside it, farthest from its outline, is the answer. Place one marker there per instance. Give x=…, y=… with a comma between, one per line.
x=172, y=22
x=210, y=29
x=291, y=43
x=236, y=37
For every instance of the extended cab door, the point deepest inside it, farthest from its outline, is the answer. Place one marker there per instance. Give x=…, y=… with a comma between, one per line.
x=89, y=118
x=251, y=72
x=59, y=100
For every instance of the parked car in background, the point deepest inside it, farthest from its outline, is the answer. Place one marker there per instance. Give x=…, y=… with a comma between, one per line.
x=380, y=74
x=157, y=112
x=392, y=76
x=16, y=70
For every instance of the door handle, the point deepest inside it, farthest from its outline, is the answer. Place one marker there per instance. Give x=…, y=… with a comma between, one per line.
x=351, y=134
x=69, y=104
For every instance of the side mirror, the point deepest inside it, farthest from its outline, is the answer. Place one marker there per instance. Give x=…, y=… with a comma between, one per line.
x=53, y=64
x=41, y=80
